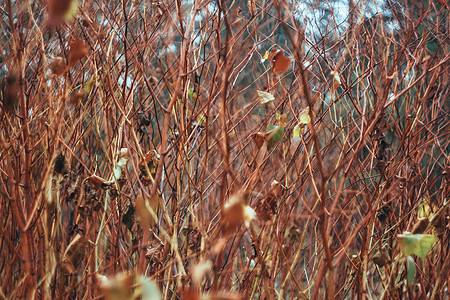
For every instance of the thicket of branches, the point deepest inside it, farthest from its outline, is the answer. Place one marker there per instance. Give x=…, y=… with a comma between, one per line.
x=234, y=149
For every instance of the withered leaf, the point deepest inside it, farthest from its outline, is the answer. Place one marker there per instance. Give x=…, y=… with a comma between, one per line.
x=280, y=63
x=259, y=138
x=420, y=226
x=77, y=51
x=74, y=254
x=11, y=90
x=58, y=65
x=62, y=10
x=142, y=207
x=235, y=212
x=96, y=181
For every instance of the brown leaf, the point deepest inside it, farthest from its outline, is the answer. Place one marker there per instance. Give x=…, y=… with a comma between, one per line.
x=191, y=294
x=259, y=138
x=58, y=65
x=234, y=212
x=142, y=206
x=420, y=226
x=96, y=181
x=61, y=10
x=11, y=91
x=280, y=63
x=74, y=254
x=151, y=160
x=77, y=51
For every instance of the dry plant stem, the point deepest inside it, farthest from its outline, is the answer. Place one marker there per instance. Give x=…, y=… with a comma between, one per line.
x=181, y=78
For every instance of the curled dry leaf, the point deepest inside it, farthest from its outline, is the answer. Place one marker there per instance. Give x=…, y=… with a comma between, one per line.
x=259, y=138
x=96, y=181
x=150, y=161
x=420, y=226
x=77, y=51
x=121, y=163
x=76, y=98
x=265, y=97
x=336, y=80
x=74, y=254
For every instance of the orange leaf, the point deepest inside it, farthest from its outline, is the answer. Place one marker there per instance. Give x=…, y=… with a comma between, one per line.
x=280, y=63
x=77, y=51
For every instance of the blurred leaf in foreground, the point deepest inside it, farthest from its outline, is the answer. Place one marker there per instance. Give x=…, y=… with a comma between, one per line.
x=128, y=286
x=62, y=10
x=77, y=51
x=418, y=244
x=411, y=270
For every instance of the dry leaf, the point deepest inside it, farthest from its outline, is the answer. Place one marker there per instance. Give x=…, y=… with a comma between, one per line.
x=280, y=63
x=266, y=56
x=76, y=98
x=420, y=226
x=58, y=65
x=151, y=159
x=235, y=212
x=62, y=10
x=11, y=91
x=142, y=207
x=127, y=286
x=74, y=254
x=336, y=80
x=77, y=51
x=265, y=97
x=191, y=294
x=259, y=138
x=96, y=181
x=219, y=246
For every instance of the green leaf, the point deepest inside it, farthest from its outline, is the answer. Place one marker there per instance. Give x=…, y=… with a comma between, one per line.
x=72, y=11
x=304, y=117
x=424, y=210
x=192, y=94
x=88, y=85
x=265, y=97
x=275, y=134
x=418, y=244
x=411, y=274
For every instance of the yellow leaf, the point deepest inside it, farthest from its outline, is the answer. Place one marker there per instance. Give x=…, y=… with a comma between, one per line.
x=304, y=117
x=297, y=130
x=266, y=56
